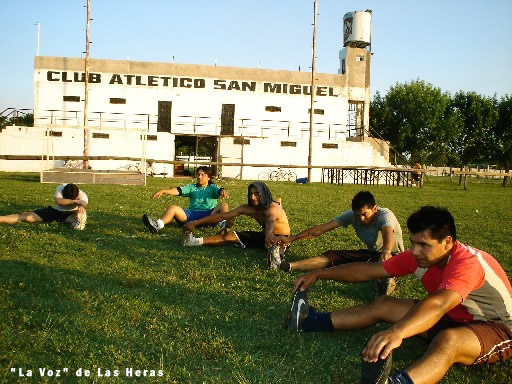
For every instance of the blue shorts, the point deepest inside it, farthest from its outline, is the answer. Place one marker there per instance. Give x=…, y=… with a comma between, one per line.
x=194, y=215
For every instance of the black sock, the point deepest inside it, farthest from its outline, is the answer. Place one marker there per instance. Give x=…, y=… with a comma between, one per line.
x=317, y=321
x=401, y=377
x=285, y=266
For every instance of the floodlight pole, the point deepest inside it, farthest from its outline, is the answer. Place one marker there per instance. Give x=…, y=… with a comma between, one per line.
x=38, y=33
x=313, y=91
x=86, y=82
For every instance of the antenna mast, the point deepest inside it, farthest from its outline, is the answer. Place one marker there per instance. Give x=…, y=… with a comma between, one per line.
x=313, y=91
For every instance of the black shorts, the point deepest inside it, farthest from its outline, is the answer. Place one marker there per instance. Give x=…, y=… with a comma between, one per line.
x=338, y=257
x=51, y=214
x=252, y=239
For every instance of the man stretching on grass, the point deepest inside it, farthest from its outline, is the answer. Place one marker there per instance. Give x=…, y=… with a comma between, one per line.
x=467, y=315
x=262, y=208
x=203, y=202
x=70, y=208
x=377, y=227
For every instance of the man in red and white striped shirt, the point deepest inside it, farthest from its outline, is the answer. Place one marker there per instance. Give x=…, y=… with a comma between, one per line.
x=467, y=315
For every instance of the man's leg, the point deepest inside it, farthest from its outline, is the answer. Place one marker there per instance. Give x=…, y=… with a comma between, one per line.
x=28, y=217
x=332, y=258
x=173, y=211
x=453, y=345
x=219, y=239
x=220, y=208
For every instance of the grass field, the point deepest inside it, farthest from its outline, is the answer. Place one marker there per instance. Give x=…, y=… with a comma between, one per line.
x=114, y=296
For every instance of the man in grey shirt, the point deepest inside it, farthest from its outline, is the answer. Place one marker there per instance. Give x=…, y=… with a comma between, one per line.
x=377, y=227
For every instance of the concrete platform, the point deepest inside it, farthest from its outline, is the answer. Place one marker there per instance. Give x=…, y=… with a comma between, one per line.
x=88, y=176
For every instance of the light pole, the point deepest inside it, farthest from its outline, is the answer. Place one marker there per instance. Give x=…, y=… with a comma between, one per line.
x=313, y=89
x=86, y=82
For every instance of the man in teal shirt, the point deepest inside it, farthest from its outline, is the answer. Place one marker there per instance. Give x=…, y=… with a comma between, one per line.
x=203, y=196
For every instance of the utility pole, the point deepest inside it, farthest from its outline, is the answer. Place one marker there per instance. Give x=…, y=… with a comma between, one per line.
x=313, y=91
x=86, y=82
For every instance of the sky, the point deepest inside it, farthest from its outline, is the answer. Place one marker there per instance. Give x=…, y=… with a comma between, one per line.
x=456, y=45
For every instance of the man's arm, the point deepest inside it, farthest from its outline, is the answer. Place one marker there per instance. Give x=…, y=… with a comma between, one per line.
x=310, y=232
x=388, y=240
x=212, y=219
x=271, y=216
x=353, y=272
x=61, y=201
x=419, y=319
x=170, y=191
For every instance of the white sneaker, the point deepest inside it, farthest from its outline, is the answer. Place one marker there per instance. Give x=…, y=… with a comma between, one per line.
x=188, y=240
x=79, y=223
x=274, y=257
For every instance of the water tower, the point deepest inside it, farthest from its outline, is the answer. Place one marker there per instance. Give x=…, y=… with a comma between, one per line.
x=357, y=33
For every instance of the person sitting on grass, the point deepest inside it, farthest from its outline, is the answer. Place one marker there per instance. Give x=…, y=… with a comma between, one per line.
x=466, y=316
x=70, y=208
x=262, y=208
x=377, y=227
x=203, y=196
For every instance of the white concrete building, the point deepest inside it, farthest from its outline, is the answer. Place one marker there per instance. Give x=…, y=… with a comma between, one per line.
x=225, y=114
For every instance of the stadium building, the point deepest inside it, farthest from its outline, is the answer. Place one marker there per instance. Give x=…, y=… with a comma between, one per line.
x=169, y=113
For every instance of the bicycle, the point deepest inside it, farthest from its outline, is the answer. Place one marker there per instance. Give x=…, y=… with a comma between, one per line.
x=265, y=175
x=137, y=167
x=282, y=174
x=74, y=164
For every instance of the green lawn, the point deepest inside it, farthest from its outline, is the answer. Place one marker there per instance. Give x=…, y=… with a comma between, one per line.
x=115, y=296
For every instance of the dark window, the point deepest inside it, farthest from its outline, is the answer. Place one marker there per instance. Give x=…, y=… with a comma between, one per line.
x=164, y=116
x=238, y=140
x=149, y=137
x=317, y=111
x=96, y=135
x=54, y=133
x=329, y=145
x=71, y=98
x=227, y=119
x=288, y=143
x=272, y=108
x=117, y=100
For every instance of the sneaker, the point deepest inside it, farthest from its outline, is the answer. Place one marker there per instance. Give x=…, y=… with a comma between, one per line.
x=79, y=223
x=298, y=312
x=376, y=373
x=150, y=223
x=386, y=286
x=188, y=240
x=274, y=257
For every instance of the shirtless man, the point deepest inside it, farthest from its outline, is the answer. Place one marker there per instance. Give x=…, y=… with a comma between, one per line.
x=262, y=208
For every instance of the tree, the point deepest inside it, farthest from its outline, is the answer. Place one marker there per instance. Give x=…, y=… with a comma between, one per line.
x=503, y=134
x=26, y=120
x=417, y=119
x=479, y=114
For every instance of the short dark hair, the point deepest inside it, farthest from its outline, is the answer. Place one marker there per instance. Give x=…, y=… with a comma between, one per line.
x=70, y=191
x=206, y=170
x=438, y=220
x=363, y=199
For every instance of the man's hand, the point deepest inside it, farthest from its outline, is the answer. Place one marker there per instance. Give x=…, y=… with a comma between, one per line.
x=385, y=254
x=189, y=227
x=223, y=194
x=381, y=344
x=81, y=209
x=270, y=240
x=304, y=281
x=157, y=194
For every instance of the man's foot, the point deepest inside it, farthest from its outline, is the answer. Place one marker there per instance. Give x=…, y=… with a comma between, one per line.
x=79, y=223
x=274, y=257
x=150, y=223
x=188, y=240
x=386, y=286
x=298, y=312
x=376, y=373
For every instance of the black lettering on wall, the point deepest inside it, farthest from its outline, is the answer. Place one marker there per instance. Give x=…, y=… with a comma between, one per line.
x=185, y=82
x=233, y=85
x=138, y=80
x=65, y=78
x=79, y=77
x=306, y=89
x=129, y=79
x=116, y=79
x=272, y=88
x=152, y=81
x=94, y=77
x=321, y=91
x=219, y=84
x=166, y=80
x=295, y=89
x=50, y=76
x=246, y=86
x=199, y=83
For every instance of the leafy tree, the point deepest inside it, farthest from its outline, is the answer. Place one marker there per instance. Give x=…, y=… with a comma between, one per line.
x=503, y=134
x=417, y=119
x=24, y=120
x=479, y=114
